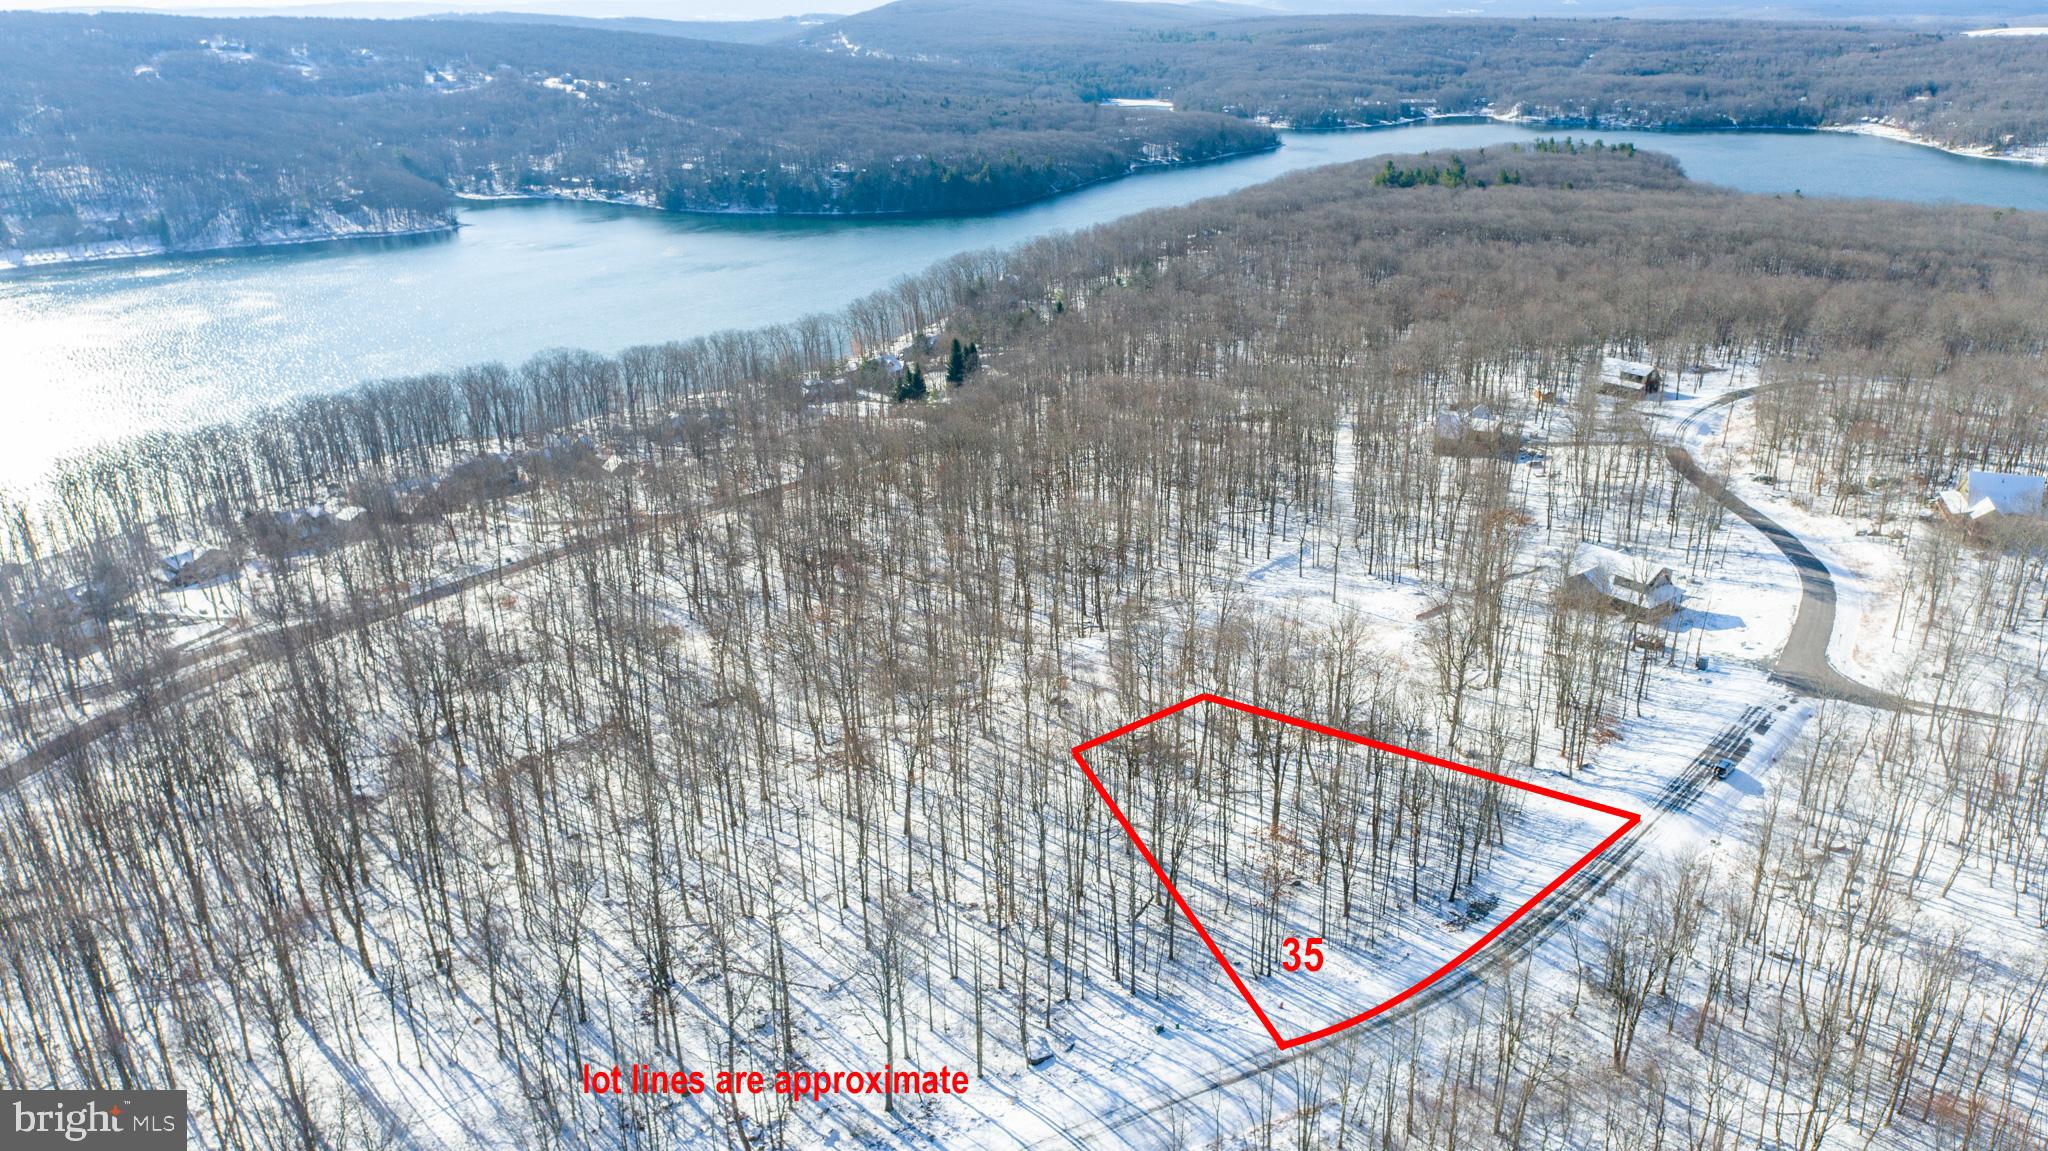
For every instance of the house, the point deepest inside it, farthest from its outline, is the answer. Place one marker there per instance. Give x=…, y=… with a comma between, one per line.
x=835, y=390
x=559, y=456
x=1475, y=431
x=305, y=528
x=188, y=564
x=414, y=496
x=1986, y=496
x=303, y=525
x=1634, y=378
x=479, y=478
x=1621, y=581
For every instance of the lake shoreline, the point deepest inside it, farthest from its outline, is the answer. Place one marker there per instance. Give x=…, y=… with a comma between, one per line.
x=27, y=261
x=114, y=349
x=18, y=261
x=2034, y=154
x=773, y=214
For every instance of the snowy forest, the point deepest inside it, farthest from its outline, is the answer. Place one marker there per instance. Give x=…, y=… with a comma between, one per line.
x=375, y=765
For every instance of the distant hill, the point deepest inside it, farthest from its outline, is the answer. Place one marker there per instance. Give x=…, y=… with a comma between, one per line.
x=722, y=31
x=975, y=31
x=1338, y=71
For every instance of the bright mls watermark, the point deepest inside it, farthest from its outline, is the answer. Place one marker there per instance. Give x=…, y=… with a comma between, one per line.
x=114, y=1120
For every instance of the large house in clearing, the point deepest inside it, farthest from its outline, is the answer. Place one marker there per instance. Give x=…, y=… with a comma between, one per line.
x=1633, y=586
x=1986, y=496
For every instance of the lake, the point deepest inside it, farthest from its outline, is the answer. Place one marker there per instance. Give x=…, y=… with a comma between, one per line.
x=97, y=352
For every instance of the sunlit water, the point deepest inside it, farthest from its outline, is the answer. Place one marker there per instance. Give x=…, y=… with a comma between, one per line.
x=101, y=352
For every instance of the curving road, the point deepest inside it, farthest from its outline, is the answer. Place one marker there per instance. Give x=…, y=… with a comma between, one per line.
x=1803, y=664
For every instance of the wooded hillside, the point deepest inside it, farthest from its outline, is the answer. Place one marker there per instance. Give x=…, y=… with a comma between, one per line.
x=178, y=133
x=1330, y=71
x=198, y=131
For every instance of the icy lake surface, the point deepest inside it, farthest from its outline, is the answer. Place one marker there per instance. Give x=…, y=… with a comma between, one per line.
x=96, y=353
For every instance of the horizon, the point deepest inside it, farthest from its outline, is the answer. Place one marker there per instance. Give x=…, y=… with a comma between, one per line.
x=1934, y=12
x=704, y=10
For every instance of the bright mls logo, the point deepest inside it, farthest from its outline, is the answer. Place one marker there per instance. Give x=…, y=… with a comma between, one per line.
x=114, y=1120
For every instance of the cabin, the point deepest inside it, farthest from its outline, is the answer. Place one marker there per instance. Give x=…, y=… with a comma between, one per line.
x=1985, y=497
x=188, y=564
x=1635, y=587
x=1634, y=378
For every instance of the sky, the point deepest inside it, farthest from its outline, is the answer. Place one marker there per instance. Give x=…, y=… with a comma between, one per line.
x=1947, y=11
x=660, y=9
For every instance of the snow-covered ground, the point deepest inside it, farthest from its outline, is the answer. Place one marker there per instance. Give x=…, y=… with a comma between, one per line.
x=1105, y=1052
x=2018, y=153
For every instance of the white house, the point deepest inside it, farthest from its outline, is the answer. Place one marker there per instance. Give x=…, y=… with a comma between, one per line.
x=1984, y=495
x=1633, y=585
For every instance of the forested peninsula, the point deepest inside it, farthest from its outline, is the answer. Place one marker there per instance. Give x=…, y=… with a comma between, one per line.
x=127, y=134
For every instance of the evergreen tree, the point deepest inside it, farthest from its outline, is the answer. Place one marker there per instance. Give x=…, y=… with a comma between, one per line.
x=910, y=386
x=956, y=365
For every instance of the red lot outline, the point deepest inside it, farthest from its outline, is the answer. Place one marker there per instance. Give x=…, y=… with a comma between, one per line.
x=1629, y=821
